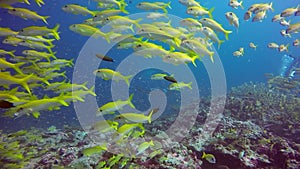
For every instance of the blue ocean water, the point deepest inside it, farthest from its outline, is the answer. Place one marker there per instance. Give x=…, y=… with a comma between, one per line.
x=250, y=67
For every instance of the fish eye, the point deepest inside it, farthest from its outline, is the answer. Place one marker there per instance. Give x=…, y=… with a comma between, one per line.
x=142, y=30
x=191, y=9
x=139, y=45
x=230, y=13
x=21, y=30
x=66, y=6
x=101, y=110
x=139, y=4
x=13, y=9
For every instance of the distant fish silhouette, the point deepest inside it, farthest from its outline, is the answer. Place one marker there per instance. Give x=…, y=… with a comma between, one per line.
x=5, y=104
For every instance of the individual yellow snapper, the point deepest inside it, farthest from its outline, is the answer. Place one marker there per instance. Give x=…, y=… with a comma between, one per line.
x=239, y=52
x=27, y=14
x=105, y=125
x=156, y=15
x=7, y=32
x=153, y=6
x=108, y=74
x=209, y=157
x=177, y=58
x=36, y=39
x=108, y=12
x=40, y=31
x=4, y=52
x=111, y=107
x=261, y=7
x=37, y=45
x=111, y=3
x=283, y=47
x=209, y=33
x=10, y=2
x=296, y=42
x=35, y=106
x=39, y=55
x=199, y=11
x=87, y=30
x=179, y=85
x=12, y=41
x=198, y=47
x=94, y=150
x=142, y=147
x=127, y=128
x=122, y=20
x=158, y=76
x=5, y=64
x=156, y=34
x=190, y=22
x=77, y=9
x=215, y=26
x=6, y=79
x=137, y=118
x=232, y=19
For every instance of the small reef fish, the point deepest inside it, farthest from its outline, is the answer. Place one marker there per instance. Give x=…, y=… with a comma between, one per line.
x=284, y=34
x=232, y=18
x=209, y=33
x=209, y=157
x=235, y=4
x=158, y=76
x=215, y=26
x=296, y=42
x=293, y=28
x=247, y=15
x=27, y=14
x=105, y=125
x=40, y=31
x=199, y=11
x=10, y=53
x=277, y=18
x=180, y=85
x=283, y=47
x=170, y=79
x=111, y=107
x=77, y=9
x=252, y=45
x=137, y=118
x=87, y=30
x=239, y=52
x=189, y=3
x=108, y=74
x=290, y=11
x=153, y=6
x=273, y=45
x=105, y=58
x=7, y=32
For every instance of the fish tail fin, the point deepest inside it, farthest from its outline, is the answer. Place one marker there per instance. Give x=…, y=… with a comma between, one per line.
x=131, y=28
x=126, y=79
x=177, y=41
x=24, y=81
x=220, y=42
x=27, y=2
x=55, y=32
x=189, y=85
x=91, y=91
x=204, y=155
x=136, y=22
x=17, y=67
x=122, y=8
x=129, y=101
x=39, y=2
x=241, y=5
x=169, y=5
x=53, y=55
x=11, y=53
x=194, y=59
x=44, y=19
x=210, y=12
x=164, y=8
x=287, y=46
x=150, y=116
x=271, y=6
x=61, y=100
x=106, y=36
x=227, y=33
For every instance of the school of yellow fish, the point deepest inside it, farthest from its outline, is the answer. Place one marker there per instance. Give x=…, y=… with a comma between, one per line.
x=39, y=68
